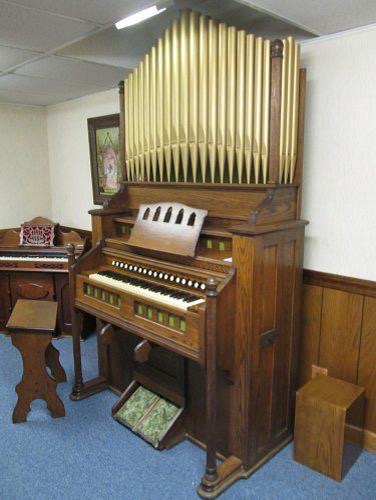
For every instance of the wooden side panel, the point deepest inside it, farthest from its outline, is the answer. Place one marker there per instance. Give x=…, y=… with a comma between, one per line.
x=64, y=319
x=319, y=446
x=273, y=345
x=311, y=327
x=340, y=333
x=367, y=362
x=244, y=260
x=284, y=342
x=266, y=362
x=4, y=299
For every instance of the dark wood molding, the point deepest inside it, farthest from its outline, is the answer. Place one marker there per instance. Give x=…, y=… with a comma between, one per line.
x=84, y=233
x=338, y=282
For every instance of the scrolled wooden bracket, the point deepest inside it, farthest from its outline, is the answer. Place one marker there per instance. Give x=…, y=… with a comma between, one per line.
x=251, y=224
x=142, y=351
x=106, y=334
x=252, y=219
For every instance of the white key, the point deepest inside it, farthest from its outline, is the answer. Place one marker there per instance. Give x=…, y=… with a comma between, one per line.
x=147, y=294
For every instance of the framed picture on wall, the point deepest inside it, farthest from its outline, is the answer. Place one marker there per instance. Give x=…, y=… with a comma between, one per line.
x=104, y=143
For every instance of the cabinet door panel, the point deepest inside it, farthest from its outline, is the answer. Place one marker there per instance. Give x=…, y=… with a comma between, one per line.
x=31, y=286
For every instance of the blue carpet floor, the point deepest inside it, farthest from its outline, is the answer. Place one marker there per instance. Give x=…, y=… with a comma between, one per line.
x=87, y=455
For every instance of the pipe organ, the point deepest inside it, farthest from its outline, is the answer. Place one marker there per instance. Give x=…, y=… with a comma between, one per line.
x=199, y=107
x=196, y=271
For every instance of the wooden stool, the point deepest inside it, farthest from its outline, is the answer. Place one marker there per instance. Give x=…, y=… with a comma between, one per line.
x=329, y=413
x=31, y=325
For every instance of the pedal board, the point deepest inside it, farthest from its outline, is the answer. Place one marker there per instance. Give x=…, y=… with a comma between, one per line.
x=147, y=414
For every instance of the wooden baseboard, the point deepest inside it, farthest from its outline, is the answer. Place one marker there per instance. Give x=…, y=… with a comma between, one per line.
x=368, y=439
x=343, y=283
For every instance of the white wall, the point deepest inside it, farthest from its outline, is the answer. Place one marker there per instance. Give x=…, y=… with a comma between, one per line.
x=340, y=154
x=69, y=159
x=24, y=174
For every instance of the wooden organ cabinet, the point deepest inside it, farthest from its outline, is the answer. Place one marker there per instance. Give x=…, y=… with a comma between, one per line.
x=196, y=271
x=37, y=272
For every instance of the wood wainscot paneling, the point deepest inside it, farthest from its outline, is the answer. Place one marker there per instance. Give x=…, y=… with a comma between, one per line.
x=339, y=334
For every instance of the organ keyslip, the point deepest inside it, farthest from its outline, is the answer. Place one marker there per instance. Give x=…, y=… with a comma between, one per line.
x=196, y=271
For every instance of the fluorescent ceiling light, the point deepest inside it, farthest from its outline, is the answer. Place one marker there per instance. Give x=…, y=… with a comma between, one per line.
x=138, y=17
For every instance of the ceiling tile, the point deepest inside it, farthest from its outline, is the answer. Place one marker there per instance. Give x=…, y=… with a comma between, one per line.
x=273, y=28
x=73, y=70
x=21, y=83
x=321, y=16
x=10, y=56
x=122, y=48
x=34, y=30
x=14, y=97
x=125, y=48
x=97, y=11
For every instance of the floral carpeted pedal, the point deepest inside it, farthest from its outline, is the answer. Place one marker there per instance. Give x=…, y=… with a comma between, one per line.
x=148, y=415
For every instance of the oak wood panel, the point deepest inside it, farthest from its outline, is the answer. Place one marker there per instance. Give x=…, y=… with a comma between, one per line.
x=311, y=327
x=367, y=361
x=237, y=200
x=340, y=333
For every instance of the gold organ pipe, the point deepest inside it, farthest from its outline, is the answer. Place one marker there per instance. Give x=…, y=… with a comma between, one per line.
x=222, y=92
x=126, y=130
x=257, y=109
x=129, y=125
x=295, y=105
x=240, y=103
x=193, y=93
x=249, y=89
x=184, y=90
x=212, y=110
x=289, y=99
x=265, y=111
x=135, y=121
x=231, y=100
x=153, y=112
x=175, y=98
x=146, y=91
x=141, y=120
x=167, y=103
x=203, y=95
x=284, y=85
x=197, y=107
x=160, y=109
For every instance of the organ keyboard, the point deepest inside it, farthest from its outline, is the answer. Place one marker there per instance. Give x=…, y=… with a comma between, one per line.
x=166, y=299
x=28, y=261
